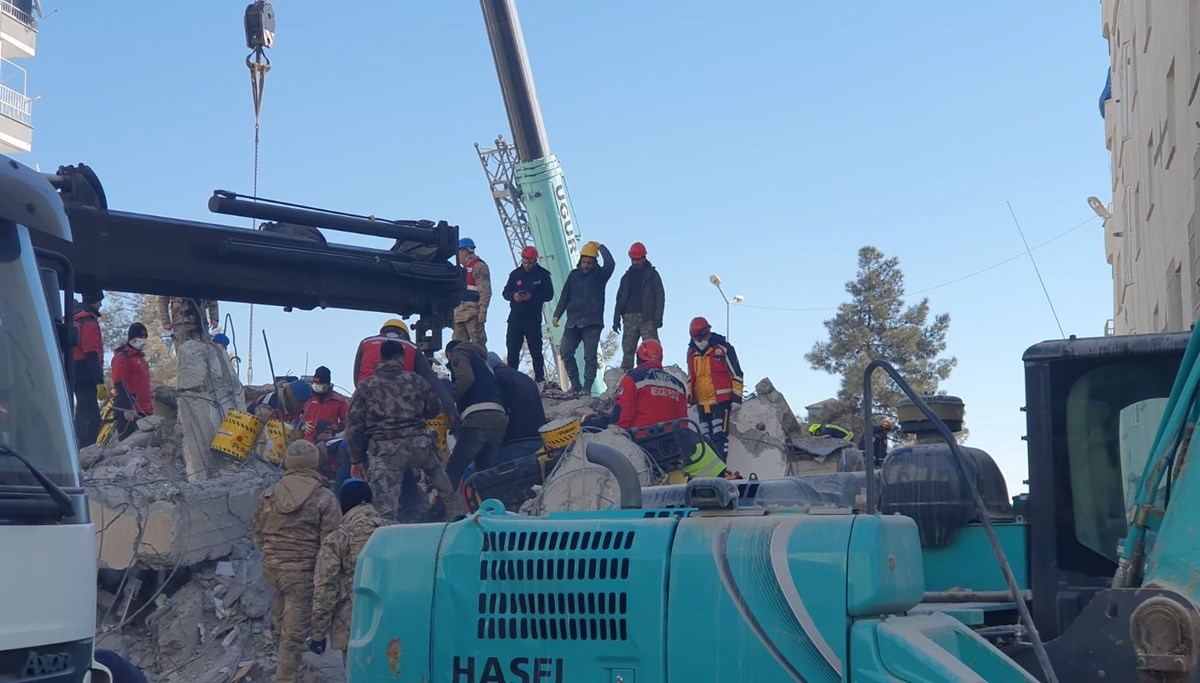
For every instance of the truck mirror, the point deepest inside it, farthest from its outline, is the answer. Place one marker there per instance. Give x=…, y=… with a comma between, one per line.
x=50, y=288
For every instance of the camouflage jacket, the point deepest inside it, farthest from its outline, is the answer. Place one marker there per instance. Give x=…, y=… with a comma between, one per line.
x=333, y=584
x=292, y=519
x=391, y=404
x=179, y=310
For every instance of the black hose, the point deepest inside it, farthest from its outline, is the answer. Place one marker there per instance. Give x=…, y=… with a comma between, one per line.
x=1039, y=648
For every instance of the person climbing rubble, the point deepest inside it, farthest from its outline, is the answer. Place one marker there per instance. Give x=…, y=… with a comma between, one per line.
x=89, y=368
x=640, y=303
x=529, y=287
x=184, y=317
x=582, y=300
x=522, y=397
x=483, y=415
x=286, y=403
x=386, y=434
x=293, y=517
x=132, y=396
x=714, y=382
x=471, y=313
x=333, y=584
x=324, y=413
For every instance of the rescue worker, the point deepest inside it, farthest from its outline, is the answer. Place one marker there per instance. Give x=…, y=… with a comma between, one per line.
x=880, y=433
x=529, y=287
x=184, y=317
x=526, y=413
x=831, y=431
x=324, y=413
x=221, y=340
x=292, y=519
x=333, y=585
x=286, y=403
x=483, y=418
x=471, y=313
x=89, y=369
x=412, y=498
x=714, y=382
x=132, y=396
x=649, y=395
x=582, y=301
x=640, y=303
x=387, y=425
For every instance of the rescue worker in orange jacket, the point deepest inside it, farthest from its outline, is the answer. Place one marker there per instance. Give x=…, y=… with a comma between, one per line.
x=89, y=368
x=325, y=411
x=649, y=395
x=714, y=382
x=132, y=395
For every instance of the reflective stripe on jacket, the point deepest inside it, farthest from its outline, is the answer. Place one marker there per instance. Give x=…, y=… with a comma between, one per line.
x=703, y=462
x=647, y=396
x=714, y=374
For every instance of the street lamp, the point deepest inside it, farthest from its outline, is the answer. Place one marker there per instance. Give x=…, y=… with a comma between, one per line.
x=737, y=299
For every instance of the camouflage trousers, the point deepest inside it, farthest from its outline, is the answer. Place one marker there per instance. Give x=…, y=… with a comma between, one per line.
x=635, y=328
x=391, y=459
x=467, y=326
x=291, y=616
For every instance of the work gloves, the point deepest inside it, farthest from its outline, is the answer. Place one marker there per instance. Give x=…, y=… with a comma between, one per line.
x=317, y=647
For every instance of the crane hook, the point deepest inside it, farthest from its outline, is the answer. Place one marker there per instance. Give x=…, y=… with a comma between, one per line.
x=260, y=35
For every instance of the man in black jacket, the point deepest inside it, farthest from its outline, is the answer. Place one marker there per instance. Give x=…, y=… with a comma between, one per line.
x=528, y=288
x=522, y=397
x=640, y=303
x=583, y=301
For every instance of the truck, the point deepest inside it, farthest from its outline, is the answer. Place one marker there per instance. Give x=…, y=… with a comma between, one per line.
x=757, y=580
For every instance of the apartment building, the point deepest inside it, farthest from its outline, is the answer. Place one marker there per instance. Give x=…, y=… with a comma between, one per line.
x=1151, y=118
x=18, y=40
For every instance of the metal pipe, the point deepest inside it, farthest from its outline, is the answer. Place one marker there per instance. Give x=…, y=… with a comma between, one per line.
x=622, y=469
x=516, y=78
x=415, y=231
x=973, y=596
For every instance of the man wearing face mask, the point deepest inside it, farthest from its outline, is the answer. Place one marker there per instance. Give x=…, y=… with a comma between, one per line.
x=325, y=412
x=714, y=382
x=132, y=395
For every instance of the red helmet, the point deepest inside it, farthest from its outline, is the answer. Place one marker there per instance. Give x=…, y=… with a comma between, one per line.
x=529, y=252
x=638, y=250
x=698, y=325
x=650, y=351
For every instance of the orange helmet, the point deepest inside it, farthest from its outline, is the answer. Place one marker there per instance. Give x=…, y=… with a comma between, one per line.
x=650, y=351
x=698, y=325
x=638, y=250
x=529, y=252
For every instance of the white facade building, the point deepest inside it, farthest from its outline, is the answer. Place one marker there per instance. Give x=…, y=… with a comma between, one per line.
x=1152, y=128
x=18, y=39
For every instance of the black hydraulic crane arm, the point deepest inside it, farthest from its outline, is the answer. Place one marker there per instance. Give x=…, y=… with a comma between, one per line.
x=288, y=263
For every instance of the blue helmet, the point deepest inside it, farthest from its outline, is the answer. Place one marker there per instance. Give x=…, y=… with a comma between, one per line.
x=466, y=243
x=220, y=338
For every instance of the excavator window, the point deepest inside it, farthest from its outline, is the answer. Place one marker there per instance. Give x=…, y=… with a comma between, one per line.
x=33, y=411
x=1112, y=415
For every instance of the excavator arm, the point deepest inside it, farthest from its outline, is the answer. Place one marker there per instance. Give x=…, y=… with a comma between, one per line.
x=288, y=263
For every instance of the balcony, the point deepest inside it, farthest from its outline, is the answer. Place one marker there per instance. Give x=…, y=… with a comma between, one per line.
x=16, y=110
x=18, y=29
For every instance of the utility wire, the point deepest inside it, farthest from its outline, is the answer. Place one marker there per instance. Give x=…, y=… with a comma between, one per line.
x=1035, y=269
x=947, y=283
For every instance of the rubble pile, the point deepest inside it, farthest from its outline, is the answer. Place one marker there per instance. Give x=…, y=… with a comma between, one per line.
x=180, y=586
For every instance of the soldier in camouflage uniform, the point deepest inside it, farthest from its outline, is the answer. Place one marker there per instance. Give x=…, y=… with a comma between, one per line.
x=387, y=423
x=333, y=586
x=182, y=317
x=292, y=519
x=471, y=312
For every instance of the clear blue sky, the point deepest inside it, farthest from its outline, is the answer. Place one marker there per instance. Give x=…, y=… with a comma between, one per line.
x=762, y=141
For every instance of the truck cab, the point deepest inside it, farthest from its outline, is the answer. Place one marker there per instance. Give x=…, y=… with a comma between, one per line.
x=48, y=591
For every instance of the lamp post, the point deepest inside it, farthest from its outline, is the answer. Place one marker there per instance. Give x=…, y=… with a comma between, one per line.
x=737, y=299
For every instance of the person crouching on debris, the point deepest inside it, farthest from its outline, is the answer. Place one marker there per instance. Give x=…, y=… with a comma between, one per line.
x=386, y=425
x=132, y=396
x=325, y=412
x=714, y=382
x=292, y=519
x=333, y=585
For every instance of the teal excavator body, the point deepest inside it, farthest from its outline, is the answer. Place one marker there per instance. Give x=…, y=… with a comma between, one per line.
x=655, y=595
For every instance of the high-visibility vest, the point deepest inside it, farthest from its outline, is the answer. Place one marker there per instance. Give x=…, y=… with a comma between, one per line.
x=703, y=462
x=368, y=356
x=472, y=293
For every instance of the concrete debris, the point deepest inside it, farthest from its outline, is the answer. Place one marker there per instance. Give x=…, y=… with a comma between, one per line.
x=577, y=484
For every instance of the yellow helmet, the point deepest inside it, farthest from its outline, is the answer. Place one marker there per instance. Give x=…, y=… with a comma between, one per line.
x=590, y=249
x=397, y=323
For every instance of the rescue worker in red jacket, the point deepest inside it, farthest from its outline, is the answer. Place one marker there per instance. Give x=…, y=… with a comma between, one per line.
x=325, y=412
x=714, y=382
x=89, y=368
x=649, y=395
x=132, y=396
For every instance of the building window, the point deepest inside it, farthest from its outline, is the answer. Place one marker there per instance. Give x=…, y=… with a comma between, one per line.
x=1175, y=300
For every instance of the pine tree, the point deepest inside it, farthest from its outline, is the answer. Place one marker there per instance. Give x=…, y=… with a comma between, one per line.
x=876, y=324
